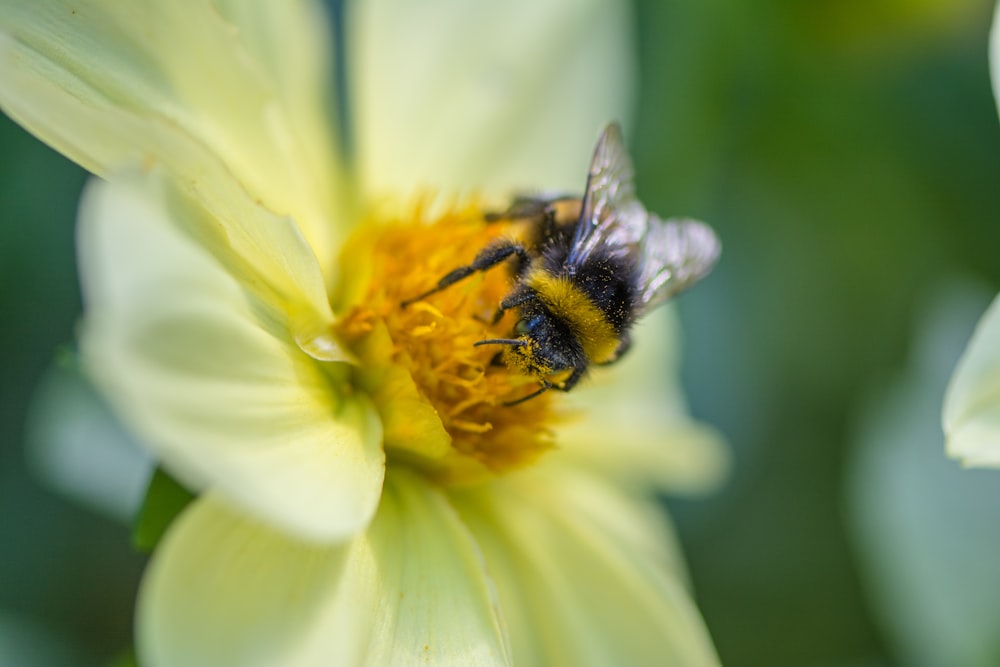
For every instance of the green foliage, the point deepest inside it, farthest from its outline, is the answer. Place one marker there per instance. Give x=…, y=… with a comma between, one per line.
x=125, y=659
x=165, y=499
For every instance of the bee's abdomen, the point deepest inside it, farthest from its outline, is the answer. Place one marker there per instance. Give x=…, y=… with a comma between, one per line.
x=610, y=285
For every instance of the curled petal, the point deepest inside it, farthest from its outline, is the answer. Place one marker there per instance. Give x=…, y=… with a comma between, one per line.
x=206, y=373
x=180, y=83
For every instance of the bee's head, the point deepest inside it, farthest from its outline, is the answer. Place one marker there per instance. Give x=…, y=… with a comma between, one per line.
x=536, y=348
x=533, y=356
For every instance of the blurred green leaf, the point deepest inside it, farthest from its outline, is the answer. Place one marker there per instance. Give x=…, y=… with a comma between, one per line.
x=125, y=659
x=165, y=499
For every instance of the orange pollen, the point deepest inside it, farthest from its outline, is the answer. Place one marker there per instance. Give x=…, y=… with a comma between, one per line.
x=441, y=399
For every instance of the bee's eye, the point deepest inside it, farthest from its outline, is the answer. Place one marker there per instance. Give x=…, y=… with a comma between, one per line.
x=527, y=326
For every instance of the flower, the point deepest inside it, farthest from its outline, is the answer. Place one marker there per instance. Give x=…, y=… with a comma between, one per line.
x=362, y=497
x=972, y=403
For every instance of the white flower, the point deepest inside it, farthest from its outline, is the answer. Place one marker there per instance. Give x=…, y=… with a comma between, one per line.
x=972, y=402
x=350, y=510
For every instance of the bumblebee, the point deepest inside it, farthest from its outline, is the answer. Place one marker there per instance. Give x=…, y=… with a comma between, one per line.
x=585, y=270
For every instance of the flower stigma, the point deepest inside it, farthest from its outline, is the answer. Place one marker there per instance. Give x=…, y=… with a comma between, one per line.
x=442, y=400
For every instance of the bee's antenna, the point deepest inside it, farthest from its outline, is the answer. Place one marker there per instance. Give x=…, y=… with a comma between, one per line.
x=515, y=342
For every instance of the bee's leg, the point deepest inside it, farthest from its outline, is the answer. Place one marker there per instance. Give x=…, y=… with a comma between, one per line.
x=568, y=384
x=521, y=208
x=571, y=381
x=546, y=385
x=539, y=211
x=624, y=345
x=546, y=227
x=513, y=301
x=487, y=258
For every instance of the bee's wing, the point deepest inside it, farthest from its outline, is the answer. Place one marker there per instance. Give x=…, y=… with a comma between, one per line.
x=670, y=255
x=611, y=216
x=673, y=255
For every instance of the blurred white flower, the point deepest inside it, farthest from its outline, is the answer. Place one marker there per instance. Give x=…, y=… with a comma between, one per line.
x=972, y=403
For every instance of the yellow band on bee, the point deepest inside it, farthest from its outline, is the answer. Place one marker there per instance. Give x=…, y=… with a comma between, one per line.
x=587, y=322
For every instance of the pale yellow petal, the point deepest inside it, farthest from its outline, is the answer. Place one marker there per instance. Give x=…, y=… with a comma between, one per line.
x=633, y=420
x=471, y=95
x=578, y=584
x=439, y=608
x=225, y=590
x=264, y=252
x=177, y=82
x=631, y=516
x=972, y=402
x=210, y=379
x=249, y=239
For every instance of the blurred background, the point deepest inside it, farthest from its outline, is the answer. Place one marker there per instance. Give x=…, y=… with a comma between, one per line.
x=848, y=153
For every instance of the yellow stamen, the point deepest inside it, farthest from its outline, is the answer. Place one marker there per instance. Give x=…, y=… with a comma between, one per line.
x=440, y=397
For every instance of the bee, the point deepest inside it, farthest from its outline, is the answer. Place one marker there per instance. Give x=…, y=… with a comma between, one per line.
x=585, y=270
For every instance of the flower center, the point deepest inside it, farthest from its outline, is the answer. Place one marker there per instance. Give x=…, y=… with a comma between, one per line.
x=443, y=401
